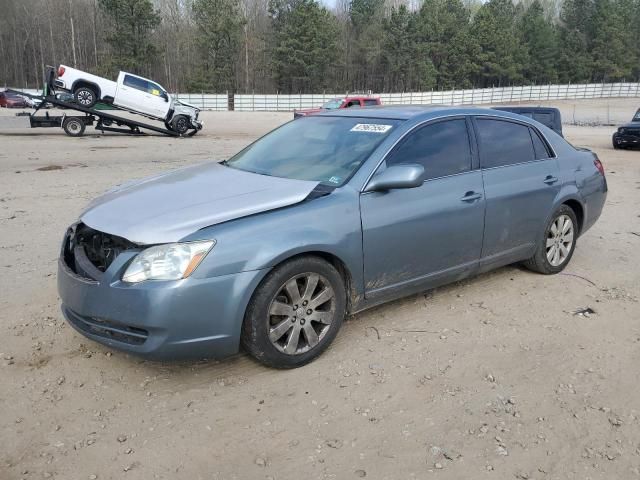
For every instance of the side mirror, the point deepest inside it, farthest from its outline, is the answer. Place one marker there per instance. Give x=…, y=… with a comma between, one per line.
x=397, y=176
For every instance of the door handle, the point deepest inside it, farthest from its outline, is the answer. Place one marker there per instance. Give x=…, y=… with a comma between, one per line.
x=471, y=197
x=550, y=179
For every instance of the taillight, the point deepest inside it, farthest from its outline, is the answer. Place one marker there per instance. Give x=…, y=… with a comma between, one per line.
x=598, y=164
x=60, y=71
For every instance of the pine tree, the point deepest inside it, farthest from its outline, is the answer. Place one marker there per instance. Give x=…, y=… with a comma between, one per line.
x=443, y=31
x=366, y=18
x=540, y=36
x=611, y=45
x=502, y=56
x=305, y=45
x=132, y=23
x=219, y=24
x=574, y=59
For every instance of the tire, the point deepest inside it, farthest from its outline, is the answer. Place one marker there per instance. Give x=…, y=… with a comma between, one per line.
x=545, y=260
x=74, y=127
x=85, y=97
x=181, y=124
x=275, y=333
x=615, y=145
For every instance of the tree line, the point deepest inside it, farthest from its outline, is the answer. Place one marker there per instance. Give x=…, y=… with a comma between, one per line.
x=292, y=46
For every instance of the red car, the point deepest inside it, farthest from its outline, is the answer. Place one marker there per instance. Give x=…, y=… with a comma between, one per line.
x=336, y=103
x=11, y=100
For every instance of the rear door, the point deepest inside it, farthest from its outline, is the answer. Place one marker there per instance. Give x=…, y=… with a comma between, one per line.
x=426, y=235
x=521, y=182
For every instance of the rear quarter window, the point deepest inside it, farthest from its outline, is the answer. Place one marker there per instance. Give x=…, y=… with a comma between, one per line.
x=540, y=147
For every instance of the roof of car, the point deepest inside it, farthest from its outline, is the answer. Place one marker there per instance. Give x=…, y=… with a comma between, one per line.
x=407, y=112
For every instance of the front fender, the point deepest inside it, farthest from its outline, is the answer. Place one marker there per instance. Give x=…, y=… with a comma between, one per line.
x=328, y=225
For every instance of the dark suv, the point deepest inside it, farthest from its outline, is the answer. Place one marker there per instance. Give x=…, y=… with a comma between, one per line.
x=628, y=135
x=548, y=116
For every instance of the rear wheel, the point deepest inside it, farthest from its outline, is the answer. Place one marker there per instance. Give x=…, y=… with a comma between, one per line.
x=85, y=96
x=555, y=249
x=295, y=313
x=74, y=127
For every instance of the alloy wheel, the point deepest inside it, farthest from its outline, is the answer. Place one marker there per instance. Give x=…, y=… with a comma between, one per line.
x=560, y=240
x=301, y=313
x=85, y=97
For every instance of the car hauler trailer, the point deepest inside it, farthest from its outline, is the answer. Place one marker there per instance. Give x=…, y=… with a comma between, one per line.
x=75, y=125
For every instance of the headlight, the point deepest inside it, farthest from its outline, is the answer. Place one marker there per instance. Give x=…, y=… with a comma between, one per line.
x=172, y=261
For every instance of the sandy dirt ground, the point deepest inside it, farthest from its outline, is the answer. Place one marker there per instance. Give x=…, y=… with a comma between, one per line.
x=490, y=378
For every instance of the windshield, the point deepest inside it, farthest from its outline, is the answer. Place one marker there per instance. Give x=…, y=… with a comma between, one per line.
x=636, y=117
x=322, y=149
x=333, y=104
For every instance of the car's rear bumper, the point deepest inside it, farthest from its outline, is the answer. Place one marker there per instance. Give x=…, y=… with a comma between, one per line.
x=163, y=320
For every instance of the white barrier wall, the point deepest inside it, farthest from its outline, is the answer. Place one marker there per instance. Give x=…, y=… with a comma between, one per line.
x=476, y=96
x=205, y=101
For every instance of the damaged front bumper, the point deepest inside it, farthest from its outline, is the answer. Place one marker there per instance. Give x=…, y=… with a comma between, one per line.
x=161, y=320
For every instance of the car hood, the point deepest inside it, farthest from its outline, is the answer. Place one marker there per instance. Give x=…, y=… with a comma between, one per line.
x=630, y=125
x=168, y=207
x=183, y=104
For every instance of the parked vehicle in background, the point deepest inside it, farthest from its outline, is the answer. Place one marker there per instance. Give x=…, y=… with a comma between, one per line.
x=628, y=135
x=12, y=100
x=338, y=103
x=548, y=116
x=132, y=93
x=324, y=216
x=62, y=96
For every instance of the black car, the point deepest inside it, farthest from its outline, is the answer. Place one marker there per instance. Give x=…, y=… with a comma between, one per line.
x=628, y=135
x=547, y=116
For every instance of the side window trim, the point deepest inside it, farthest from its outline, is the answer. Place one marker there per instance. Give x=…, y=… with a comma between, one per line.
x=510, y=120
x=550, y=152
x=426, y=124
x=382, y=162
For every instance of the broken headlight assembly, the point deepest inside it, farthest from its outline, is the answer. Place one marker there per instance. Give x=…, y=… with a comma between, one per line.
x=172, y=261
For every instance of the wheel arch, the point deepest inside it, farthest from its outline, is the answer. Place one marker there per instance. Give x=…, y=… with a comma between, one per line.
x=85, y=83
x=352, y=293
x=578, y=209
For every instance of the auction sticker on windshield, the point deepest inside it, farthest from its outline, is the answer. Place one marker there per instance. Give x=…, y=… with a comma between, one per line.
x=371, y=127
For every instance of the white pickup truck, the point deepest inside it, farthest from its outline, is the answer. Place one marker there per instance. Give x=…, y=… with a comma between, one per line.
x=132, y=93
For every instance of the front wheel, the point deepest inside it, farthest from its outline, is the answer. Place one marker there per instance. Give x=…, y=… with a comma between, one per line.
x=181, y=124
x=295, y=313
x=555, y=249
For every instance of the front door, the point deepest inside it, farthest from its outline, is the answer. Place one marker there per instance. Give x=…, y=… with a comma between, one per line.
x=421, y=237
x=140, y=95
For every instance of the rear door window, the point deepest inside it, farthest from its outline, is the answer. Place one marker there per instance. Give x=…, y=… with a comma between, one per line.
x=370, y=102
x=442, y=148
x=502, y=142
x=137, y=83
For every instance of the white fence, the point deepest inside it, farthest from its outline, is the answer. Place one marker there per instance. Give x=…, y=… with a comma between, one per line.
x=205, y=101
x=476, y=96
